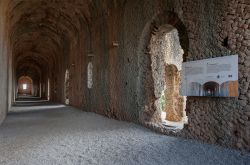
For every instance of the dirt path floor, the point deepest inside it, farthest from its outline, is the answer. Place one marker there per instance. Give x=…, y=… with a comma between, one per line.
x=51, y=134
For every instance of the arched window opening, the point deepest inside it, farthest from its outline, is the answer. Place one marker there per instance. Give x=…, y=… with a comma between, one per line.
x=66, y=87
x=25, y=86
x=48, y=89
x=90, y=75
x=167, y=57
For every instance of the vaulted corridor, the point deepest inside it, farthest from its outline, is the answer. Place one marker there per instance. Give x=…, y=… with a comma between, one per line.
x=36, y=133
x=124, y=82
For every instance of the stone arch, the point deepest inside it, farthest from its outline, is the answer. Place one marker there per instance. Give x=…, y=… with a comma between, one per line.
x=211, y=88
x=25, y=86
x=165, y=20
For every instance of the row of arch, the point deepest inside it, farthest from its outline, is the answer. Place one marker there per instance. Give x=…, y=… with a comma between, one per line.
x=212, y=88
x=44, y=37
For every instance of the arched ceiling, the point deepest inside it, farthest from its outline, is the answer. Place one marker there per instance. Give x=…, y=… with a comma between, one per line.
x=29, y=67
x=42, y=32
x=40, y=29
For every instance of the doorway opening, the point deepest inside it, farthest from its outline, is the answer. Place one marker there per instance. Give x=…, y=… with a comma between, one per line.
x=167, y=57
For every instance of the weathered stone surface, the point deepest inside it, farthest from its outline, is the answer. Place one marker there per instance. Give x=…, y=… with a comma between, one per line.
x=45, y=38
x=174, y=102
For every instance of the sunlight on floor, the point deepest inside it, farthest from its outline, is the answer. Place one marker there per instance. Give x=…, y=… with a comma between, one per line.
x=172, y=124
x=34, y=108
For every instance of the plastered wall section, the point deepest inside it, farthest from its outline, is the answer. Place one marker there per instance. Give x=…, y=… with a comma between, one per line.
x=3, y=65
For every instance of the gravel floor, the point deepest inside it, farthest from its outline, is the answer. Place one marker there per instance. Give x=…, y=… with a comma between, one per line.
x=63, y=135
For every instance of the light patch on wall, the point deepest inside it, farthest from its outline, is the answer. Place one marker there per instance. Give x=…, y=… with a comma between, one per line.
x=90, y=75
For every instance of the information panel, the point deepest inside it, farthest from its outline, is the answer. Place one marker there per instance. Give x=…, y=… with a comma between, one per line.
x=215, y=77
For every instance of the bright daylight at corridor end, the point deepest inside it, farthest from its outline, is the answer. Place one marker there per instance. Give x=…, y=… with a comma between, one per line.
x=125, y=82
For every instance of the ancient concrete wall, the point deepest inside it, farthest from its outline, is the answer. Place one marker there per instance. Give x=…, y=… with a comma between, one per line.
x=210, y=24
x=111, y=93
x=3, y=63
x=223, y=121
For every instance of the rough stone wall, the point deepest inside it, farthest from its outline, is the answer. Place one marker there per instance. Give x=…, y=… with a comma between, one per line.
x=158, y=65
x=225, y=121
x=144, y=27
x=172, y=49
x=166, y=55
x=137, y=18
x=174, y=102
x=123, y=83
